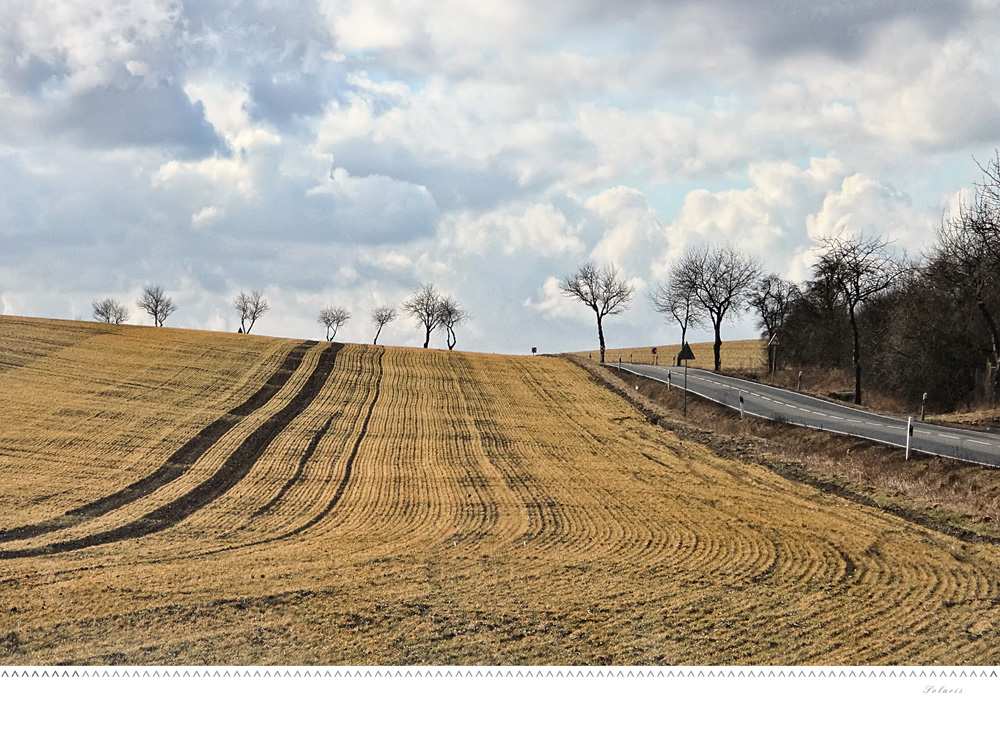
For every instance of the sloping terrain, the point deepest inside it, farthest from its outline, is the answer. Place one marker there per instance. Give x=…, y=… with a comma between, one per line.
x=180, y=497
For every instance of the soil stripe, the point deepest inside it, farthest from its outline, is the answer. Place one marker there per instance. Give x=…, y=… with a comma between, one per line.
x=349, y=466
x=233, y=470
x=177, y=464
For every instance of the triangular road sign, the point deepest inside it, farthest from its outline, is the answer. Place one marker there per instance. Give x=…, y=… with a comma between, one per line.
x=686, y=353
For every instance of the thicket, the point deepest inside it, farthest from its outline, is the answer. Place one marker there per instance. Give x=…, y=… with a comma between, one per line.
x=933, y=328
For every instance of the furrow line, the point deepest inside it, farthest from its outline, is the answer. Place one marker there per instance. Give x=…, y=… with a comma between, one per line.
x=177, y=464
x=233, y=470
x=348, y=466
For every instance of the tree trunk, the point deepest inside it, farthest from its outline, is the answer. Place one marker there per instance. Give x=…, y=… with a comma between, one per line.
x=857, y=359
x=376, y=335
x=600, y=336
x=717, y=346
x=994, y=388
x=452, y=339
x=427, y=338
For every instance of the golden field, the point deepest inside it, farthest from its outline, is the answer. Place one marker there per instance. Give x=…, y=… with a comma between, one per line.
x=178, y=497
x=737, y=356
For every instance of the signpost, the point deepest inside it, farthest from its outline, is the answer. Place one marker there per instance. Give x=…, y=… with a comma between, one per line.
x=772, y=348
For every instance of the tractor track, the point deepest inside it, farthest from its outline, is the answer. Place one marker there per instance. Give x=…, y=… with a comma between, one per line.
x=177, y=464
x=232, y=471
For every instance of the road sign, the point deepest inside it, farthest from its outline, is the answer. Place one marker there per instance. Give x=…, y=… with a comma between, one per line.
x=686, y=353
x=775, y=341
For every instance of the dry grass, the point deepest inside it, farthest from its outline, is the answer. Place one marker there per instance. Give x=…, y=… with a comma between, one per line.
x=436, y=507
x=956, y=497
x=748, y=355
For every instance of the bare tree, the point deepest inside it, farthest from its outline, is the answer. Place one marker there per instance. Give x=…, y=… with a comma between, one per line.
x=109, y=310
x=602, y=290
x=250, y=307
x=155, y=302
x=861, y=269
x=451, y=315
x=380, y=316
x=333, y=318
x=968, y=260
x=772, y=297
x=424, y=306
x=720, y=278
x=678, y=301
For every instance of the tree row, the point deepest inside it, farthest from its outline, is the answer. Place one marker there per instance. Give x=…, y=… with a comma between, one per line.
x=431, y=309
x=908, y=327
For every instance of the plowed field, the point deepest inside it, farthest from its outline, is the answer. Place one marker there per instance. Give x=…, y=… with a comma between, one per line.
x=172, y=496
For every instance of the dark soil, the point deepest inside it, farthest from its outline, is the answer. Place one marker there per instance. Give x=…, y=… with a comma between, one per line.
x=233, y=470
x=177, y=464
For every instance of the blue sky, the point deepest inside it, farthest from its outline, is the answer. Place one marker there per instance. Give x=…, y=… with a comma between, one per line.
x=345, y=152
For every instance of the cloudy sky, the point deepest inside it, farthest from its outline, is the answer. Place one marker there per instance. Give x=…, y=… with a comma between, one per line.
x=348, y=151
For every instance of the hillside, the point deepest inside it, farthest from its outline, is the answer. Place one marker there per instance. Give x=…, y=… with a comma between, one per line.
x=173, y=496
x=737, y=356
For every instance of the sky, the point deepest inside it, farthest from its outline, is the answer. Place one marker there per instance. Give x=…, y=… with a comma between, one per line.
x=346, y=152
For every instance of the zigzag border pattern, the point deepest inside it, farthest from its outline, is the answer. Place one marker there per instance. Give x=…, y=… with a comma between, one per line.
x=501, y=673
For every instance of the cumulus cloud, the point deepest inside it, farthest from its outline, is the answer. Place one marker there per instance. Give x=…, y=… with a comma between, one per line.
x=787, y=208
x=538, y=229
x=162, y=116
x=350, y=150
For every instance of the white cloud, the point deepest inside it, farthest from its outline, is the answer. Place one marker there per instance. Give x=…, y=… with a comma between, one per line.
x=631, y=232
x=539, y=229
x=356, y=148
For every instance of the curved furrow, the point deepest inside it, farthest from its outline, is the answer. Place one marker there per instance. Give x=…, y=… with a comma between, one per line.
x=176, y=465
x=349, y=462
x=236, y=466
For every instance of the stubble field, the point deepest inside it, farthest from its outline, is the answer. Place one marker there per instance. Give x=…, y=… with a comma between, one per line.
x=747, y=355
x=175, y=497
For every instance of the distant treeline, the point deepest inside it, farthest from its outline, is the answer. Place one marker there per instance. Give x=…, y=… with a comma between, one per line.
x=932, y=329
x=904, y=326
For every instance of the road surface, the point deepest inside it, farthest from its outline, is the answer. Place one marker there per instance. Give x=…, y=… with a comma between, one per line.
x=776, y=404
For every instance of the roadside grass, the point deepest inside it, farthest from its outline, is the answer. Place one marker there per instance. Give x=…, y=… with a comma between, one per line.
x=959, y=498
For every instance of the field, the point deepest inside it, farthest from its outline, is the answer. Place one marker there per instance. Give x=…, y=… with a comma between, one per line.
x=178, y=497
x=745, y=355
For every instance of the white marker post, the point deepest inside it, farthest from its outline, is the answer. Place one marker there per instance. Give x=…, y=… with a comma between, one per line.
x=909, y=433
x=668, y=380
x=741, y=406
x=685, y=388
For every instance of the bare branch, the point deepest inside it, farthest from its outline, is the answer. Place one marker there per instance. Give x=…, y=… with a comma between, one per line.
x=451, y=314
x=109, y=310
x=155, y=302
x=602, y=290
x=333, y=318
x=772, y=298
x=861, y=269
x=720, y=279
x=678, y=301
x=250, y=307
x=423, y=306
x=380, y=316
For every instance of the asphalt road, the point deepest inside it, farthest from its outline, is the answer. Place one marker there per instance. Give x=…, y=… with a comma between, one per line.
x=773, y=403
